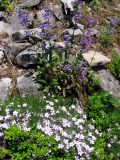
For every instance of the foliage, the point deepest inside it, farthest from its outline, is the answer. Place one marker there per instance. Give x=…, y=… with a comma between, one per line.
x=31, y=145
x=103, y=110
x=60, y=77
x=94, y=82
x=7, y=5
x=114, y=66
x=106, y=39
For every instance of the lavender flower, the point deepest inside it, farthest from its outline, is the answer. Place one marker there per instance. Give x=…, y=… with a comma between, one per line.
x=66, y=67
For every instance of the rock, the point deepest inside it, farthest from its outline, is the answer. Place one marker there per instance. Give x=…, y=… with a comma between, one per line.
x=12, y=49
x=57, y=11
x=27, y=58
x=41, y=18
x=95, y=58
x=75, y=32
x=29, y=3
x=109, y=83
x=25, y=34
x=5, y=28
x=68, y=3
x=1, y=57
x=26, y=85
x=117, y=8
x=80, y=26
x=5, y=88
x=117, y=51
x=3, y=16
x=15, y=22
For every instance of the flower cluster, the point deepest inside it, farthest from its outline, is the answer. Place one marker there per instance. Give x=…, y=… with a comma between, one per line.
x=23, y=17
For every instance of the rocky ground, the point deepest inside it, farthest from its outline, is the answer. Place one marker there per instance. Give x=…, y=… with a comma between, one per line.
x=17, y=62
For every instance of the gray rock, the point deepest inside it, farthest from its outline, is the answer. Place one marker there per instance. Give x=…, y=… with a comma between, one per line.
x=25, y=34
x=75, y=32
x=3, y=16
x=5, y=28
x=57, y=11
x=95, y=58
x=5, y=88
x=1, y=57
x=42, y=19
x=26, y=85
x=27, y=58
x=29, y=3
x=109, y=83
x=12, y=49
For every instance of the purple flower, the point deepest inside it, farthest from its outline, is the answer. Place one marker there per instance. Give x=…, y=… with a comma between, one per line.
x=66, y=67
x=44, y=25
x=46, y=8
x=115, y=22
x=78, y=16
x=23, y=17
x=67, y=38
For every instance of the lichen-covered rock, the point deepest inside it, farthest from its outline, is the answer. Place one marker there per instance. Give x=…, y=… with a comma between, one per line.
x=5, y=88
x=26, y=85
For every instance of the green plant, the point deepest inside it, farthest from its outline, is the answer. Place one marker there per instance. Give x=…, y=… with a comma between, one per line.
x=7, y=5
x=106, y=39
x=23, y=145
x=94, y=82
x=103, y=110
x=114, y=66
x=60, y=77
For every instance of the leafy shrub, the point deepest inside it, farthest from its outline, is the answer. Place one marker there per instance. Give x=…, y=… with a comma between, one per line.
x=114, y=66
x=31, y=145
x=103, y=110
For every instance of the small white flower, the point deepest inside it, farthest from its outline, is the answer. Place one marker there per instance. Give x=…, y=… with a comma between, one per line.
x=63, y=108
x=51, y=103
x=48, y=106
x=1, y=134
x=73, y=106
x=15, y=113
x=1, y=118
x=57, y=138
x=61, y=146
x=24, y=105
x=109, y=145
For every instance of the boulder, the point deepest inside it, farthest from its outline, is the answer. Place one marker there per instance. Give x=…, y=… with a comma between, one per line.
x=27, y=58
x=5, y=88
x=24, y=35
x=5, y=28
x=12, y=49
x=109, y=83
x=26, y=85
x=95, y=58
x=29, y=3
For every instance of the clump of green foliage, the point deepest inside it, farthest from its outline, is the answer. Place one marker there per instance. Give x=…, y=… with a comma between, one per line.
x=104, y=110
x=106, y=39
x=114, y=66
x=31, y=145
x=6, y=5
x=60, y=77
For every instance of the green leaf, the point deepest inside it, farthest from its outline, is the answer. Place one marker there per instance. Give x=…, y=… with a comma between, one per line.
x=58, y=87
x=47, y=88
